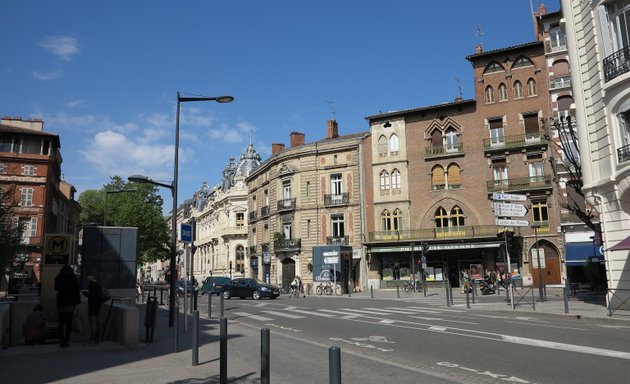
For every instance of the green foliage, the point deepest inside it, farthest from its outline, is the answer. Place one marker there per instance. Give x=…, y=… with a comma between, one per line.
x=141, y=208
x=10, y=236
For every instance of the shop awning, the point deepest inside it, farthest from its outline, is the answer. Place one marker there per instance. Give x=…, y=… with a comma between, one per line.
x=622, y=245
x=579, y=254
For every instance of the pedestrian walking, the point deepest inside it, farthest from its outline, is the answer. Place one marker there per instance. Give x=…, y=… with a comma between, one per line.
x=68, y=296
x=96, y=298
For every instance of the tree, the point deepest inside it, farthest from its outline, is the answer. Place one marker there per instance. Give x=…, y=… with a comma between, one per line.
x=141, y=208
x=567, y=169
x=10, y=236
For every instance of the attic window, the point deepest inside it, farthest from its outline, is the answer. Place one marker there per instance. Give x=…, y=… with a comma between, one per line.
x=493, y=67
x=522, y=62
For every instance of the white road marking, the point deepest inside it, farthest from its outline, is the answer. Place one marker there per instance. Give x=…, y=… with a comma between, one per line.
x=445, y=320
x=437, y=328
x=396, y=310
x=252, y=316
x=283, y=314
x=366, y=312
x=314, y=313
x=567, y=347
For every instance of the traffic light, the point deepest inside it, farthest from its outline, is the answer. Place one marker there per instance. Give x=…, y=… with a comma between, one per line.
x=514, y=244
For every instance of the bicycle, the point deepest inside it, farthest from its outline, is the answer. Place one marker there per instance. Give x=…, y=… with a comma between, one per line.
x=413, y=286
x=294, y=291
x=328, y=289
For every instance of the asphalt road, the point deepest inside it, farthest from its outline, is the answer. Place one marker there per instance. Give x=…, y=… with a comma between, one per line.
x=422, y=341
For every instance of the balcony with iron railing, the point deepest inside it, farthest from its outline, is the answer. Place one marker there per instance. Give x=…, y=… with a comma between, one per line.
x=471, y=232
x=500, y=143
x=287, y=245
x=286, y=204
x=623, y=154
x=560, y=82
x=520, y=184
x=432, y=152
x=332, y=240
x=251, y=217
x=252, y=250
x=617, y=64
x=338, y=199
x=264, y=211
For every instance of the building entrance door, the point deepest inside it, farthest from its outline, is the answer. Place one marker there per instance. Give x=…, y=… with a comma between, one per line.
x=288, y=273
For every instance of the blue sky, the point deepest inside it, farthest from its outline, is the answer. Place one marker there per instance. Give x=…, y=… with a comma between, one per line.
x=104, y=75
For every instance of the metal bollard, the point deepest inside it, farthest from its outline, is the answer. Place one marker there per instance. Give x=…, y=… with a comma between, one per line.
x=334, y=365
x=223, y=353
x=155, y=291
x=195, y=302
x=448, y=300
x=176, y=328
x=264, y=356
x=565, y=291
x=161, y=296
x=209, y=305
x=371, y=291
x=195, y=340
x=474, y=291
x=398, y=291
x=222, y=306
x=467, y=298
x=450, y=293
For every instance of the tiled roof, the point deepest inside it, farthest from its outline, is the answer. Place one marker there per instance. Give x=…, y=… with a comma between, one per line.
x=26, y=131
x=406, y=111
x=514, y=47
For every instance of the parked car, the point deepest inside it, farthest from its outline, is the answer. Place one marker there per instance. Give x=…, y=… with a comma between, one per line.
x=245, y=287
x=180, y=287
x=214, y=284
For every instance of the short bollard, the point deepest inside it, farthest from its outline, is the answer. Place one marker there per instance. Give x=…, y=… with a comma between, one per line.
x=176, y=329
x=450, y=293
x=195, y=340
x=264, y=356
x=467, y=299
x=565, y=291
x=209, y=305
x=223, y=352
x=371, y=291
x=334, y=365
x=448, y=300
x=150, y=316
x=221, y=306
x=161, y=296
x=474, y=291
x=398, y=291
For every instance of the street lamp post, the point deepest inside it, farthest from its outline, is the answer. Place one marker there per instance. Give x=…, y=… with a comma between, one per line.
x=107, y=193
x=535, y=226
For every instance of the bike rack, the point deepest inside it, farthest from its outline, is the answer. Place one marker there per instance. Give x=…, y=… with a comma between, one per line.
x=623, y=302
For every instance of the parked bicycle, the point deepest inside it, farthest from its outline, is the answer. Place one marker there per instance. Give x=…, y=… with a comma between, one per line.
x=413, y=286
x=328, y=288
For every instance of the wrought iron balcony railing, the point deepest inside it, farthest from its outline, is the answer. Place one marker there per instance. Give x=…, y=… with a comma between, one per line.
x=252, y=249
x=520, y=184
x=287, y=244
x=339, y=199
x=264, y=211
x=251, y=217
x=331, y=240
x=617, y=64
x=444, y=150
x=515, y=141
x=286, y=204
x=623, y=154
x=472, y=232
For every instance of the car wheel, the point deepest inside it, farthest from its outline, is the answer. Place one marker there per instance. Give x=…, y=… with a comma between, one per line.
x=256, y=295
x=227, y=295
x=273, y=297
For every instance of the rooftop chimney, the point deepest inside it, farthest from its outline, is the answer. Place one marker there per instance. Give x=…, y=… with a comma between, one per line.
x=297, y=139
x=478, y=49
x=275, y=148
x=333, y=130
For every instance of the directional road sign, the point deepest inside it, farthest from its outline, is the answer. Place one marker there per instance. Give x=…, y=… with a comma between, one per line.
x=185, y=233
x=510, y=210
x=508, y=197
x=512, y=223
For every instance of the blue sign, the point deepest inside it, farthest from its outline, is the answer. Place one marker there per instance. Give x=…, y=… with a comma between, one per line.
x=185, y=233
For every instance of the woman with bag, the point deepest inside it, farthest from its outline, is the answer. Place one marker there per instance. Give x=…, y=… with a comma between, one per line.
x=68, y=296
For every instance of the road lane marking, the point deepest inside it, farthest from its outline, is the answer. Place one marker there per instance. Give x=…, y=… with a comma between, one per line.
x=283, y=314
x=566, y=347
x=366, y=312
x=445, y=320
x=396, y=310
x=547, y=325
x=313, y=312
x=252, y=316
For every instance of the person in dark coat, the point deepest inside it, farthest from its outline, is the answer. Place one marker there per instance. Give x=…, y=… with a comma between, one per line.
x=68, y=296
x=95, y=299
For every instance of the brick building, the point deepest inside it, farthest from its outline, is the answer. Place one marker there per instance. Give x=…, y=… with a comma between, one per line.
x=30, y=173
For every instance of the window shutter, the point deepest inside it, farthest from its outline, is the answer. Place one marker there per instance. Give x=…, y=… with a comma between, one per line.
x=605, y=33
x=438, y=176
x=454, y=176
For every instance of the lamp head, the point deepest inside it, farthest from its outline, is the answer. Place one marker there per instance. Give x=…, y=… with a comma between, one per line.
x=139, y=179
x=224, y=99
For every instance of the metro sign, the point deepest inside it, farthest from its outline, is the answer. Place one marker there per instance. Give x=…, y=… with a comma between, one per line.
x=510, y=210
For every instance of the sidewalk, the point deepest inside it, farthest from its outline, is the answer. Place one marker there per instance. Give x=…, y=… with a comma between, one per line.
x=157, y=363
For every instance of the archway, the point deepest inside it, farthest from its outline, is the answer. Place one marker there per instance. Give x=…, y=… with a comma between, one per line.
x=549, y=263
x=288, y=272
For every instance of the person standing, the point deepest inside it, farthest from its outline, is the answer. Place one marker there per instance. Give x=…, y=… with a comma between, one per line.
x=68, y=296
x=95, y=300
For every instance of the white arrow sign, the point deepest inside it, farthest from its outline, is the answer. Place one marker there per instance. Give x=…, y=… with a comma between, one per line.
x=510, y=210
x=511, y=223
x=508, y=197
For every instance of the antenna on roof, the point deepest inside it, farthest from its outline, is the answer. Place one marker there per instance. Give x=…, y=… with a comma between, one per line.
x=332, y=109
x=459, y=87
x=250, y=137
x=479, y=34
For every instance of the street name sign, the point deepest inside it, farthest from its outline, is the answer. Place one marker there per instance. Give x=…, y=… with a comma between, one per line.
x=508, y=197
x=511, y=223
x=185, y=233
x=510, y=210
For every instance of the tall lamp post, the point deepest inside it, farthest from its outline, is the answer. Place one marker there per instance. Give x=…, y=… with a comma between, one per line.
x=107, y=193
x=535, y=226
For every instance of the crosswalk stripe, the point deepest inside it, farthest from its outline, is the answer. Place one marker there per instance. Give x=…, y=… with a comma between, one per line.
x=315, y=313
x=252, y=316
x=283, y=314
x=397, y=310
x=367, y=312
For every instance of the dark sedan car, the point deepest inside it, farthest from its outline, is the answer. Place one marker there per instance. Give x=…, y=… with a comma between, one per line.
x=244, y=287
x=214, y=284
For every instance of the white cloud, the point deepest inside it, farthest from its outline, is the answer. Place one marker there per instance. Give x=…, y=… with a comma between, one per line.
x=236, y=134
x=37, y=75
x=63, y=46
x=73, y=103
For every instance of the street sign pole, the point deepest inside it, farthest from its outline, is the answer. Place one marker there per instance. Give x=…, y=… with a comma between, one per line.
x=509, y=267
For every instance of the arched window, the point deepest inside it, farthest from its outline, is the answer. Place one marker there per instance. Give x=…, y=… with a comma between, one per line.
x=438, y=180
x=441, y=218
x=502, y=92
x=450, y=140
x=240, y=259
x=457, y=217
x=531, y=87
x=397, y=220
x=394, y=144
x=384, y=180
x=489, y=94
x=522, y=62
x=454, y=179
x=395, y=179
x=493, y=67
x=518, y=89
x=386, y=221
x=382, y=146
